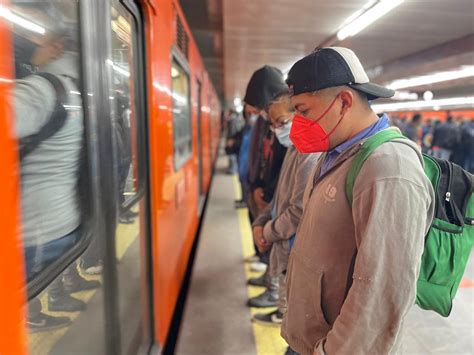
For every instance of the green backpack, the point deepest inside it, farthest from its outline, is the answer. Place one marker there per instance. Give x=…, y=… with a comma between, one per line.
x=451, y=236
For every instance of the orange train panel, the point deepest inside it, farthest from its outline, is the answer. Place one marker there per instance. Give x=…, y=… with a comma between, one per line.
x=12, y=296
x=174, y=194
x=437, y=115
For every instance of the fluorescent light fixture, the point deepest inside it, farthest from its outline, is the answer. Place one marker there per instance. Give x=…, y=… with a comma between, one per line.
x=239, y=108
x=401, y=106
x=464, y=72
x=428, y=95
x=405, y=95
x=118, y=69
x=365, y=17
x=359, y=12
x=21, y=21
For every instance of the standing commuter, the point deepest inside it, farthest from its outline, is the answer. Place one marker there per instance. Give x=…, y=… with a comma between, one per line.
x=50, y=201
x=265, y=161
x=353, y=268
x=445, y=139
x=277, y=223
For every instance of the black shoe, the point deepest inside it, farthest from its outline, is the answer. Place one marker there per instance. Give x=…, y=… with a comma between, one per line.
x=65, y=303
x=78, y=284
x=273, y=318
x=131, y=214
x=240, y=204
x=42, y=323
x=260, y=281
x=266, y=299
x=290, y=351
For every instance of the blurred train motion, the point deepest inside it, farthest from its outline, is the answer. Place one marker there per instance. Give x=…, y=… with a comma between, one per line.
x=109, y=131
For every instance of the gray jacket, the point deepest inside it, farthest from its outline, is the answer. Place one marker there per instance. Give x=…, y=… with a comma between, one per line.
x=49, y=175
x=287, y=205
x=353, y=269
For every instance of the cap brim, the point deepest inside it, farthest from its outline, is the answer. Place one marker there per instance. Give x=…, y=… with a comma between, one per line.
x=373, y=91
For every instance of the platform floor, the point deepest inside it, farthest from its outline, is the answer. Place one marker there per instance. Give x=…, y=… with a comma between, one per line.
x=216, y=320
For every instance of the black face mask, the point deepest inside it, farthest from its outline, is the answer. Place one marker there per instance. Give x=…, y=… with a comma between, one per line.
x=24, y=51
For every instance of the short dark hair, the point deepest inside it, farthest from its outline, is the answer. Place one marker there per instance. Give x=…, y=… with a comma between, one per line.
x=416, y=118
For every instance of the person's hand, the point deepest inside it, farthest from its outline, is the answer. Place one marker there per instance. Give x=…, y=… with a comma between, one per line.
x=258, y=198
x=46, y=53
x=262, y=244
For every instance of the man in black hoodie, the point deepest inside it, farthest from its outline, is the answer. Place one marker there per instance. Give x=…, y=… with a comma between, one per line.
x=265, y=160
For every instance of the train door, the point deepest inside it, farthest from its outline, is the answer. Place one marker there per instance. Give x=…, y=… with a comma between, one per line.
x=78, y=99
x=200, y=150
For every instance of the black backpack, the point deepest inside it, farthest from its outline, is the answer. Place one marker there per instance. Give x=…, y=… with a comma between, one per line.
x=54, y=124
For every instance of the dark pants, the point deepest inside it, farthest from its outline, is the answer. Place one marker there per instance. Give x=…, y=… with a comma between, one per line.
x=38, y=257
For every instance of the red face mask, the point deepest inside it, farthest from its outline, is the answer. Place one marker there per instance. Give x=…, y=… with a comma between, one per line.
x=308, y=136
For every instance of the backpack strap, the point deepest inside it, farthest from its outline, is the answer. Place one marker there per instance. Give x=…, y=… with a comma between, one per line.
x=54, y=124
x=367, y=148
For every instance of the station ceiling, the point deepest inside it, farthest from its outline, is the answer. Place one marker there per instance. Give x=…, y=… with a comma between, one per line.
x=417, y=37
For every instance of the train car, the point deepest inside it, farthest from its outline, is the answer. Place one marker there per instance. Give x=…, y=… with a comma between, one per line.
x=110, y=127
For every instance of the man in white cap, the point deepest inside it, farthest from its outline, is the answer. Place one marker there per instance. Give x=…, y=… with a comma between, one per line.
x=353, y=267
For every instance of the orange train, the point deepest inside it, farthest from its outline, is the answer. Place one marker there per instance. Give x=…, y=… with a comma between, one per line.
x=149, y=132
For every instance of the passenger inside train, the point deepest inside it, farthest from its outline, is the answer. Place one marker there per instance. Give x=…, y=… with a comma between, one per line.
x=251, y=177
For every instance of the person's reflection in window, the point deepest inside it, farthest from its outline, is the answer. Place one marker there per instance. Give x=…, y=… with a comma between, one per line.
x=51, y=212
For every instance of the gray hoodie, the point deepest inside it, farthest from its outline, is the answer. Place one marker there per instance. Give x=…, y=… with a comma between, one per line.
x=353, y=269
x=287, y=205
x=49, y=175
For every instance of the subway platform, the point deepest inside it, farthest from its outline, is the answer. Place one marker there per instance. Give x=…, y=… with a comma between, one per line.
x=216, y=320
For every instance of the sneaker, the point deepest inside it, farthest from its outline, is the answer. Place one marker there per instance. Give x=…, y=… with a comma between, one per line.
x=252, y=259
x=65, y=303
x=290, y=351
x=260, y=281
x=78, y=284
x=43, y=323
x=266, y=299
x=273, y=318
x=131, y=214
x=258, y=267
x=126, y=220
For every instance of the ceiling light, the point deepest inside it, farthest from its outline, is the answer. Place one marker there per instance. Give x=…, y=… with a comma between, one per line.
x=463, y=72
x=428, y=95
x=118, y=69
x=21, y=21
x=405, y=95
x=399, y=106
x=358, y=22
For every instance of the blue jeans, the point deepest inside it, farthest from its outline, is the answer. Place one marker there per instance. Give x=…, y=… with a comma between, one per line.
x=38, y=257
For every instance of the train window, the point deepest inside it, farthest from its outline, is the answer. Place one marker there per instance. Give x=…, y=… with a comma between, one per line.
x=128, y=123
x=55, y=200
x=181, y=115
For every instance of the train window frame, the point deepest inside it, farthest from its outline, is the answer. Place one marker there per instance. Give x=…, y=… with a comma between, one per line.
x=141, y=102
x=49, y=273
x=180, y=60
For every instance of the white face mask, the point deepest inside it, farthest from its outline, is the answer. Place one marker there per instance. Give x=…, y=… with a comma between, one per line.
x=252, y=119
x=283, y=135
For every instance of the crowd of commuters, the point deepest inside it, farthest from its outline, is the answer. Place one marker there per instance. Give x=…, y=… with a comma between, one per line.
x=330, y=263
x=451, y=139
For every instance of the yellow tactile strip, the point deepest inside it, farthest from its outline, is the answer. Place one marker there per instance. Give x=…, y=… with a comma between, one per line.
x=267, y=338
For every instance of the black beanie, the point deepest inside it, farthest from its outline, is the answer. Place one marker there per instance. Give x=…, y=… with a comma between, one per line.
x=265, y=85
